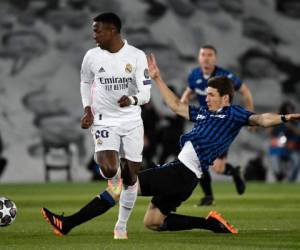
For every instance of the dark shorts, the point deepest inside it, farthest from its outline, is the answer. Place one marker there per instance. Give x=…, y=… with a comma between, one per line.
x=169, y=184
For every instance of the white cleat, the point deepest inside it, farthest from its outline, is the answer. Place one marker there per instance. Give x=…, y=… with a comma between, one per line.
x=120, y=235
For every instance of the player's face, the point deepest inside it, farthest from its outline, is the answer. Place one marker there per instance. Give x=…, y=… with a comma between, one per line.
x=103, y=34
x=207, y=60
x=214, y=100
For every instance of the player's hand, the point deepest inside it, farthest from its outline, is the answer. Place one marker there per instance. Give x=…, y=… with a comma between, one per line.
x=292, y=117
x=152, y=66
x=124, y=101
x=87, y=119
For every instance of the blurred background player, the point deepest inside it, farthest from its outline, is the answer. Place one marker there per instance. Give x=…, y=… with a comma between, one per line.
x=3, y=160
x=197, y=85
x=114, y=83
x=284, y=150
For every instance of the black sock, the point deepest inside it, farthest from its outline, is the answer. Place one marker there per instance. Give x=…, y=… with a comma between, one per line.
x=177, y=222
x=205, y=183
x=94, y=208
x=229, y=169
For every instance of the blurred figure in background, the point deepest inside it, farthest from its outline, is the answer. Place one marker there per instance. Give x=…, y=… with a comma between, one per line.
x=3, y=161
x=93, y=168
x=285, y=147
x=162, y=134
x=151, y=119
x=171, y=129
x=197, y=85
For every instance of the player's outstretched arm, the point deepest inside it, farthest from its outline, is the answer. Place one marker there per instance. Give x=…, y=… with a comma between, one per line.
x=168, y=95
x=269, y=119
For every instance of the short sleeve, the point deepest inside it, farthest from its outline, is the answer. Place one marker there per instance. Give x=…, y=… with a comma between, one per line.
x=241, y=115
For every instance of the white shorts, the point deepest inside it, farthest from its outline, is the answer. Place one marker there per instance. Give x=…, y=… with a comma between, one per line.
x=128, y=142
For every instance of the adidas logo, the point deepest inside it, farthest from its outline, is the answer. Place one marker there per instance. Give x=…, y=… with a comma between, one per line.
x=101, y=70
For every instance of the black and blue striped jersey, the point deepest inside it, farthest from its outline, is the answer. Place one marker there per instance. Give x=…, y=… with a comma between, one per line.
x=198, y=83
x=213, y=132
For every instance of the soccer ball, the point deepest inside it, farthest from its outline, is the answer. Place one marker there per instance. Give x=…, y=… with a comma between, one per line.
x=8, y=211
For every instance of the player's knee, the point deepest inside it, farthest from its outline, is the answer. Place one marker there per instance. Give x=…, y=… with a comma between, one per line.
x=109, y=171
x=129, y=180
x=152, y=224
x=129, y=173
x=218, y=170
x=108, y=167
x=219, y=167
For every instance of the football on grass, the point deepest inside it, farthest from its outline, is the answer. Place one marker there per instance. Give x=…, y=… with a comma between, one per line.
x=8, y=211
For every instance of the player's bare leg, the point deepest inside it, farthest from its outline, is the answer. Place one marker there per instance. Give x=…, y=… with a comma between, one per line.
x=155, y=220
x=108, y=160
x=221, y=166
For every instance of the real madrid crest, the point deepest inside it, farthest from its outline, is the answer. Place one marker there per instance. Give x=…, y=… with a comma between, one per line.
x=128, y=68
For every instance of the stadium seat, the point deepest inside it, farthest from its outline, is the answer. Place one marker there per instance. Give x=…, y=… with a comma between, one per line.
x=57, y=157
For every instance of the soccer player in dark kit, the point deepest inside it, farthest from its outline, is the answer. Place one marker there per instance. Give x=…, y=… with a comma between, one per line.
x=215, y=128
x=197, y=81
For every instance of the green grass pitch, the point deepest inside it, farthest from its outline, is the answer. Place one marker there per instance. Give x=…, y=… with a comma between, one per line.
x=267, y=216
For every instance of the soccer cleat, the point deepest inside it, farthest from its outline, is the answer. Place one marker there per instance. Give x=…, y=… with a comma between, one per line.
x=238, y=180
x=114, y=188
x=206, y=201
x=218, y=224
x=57, y=222
x=120, y=235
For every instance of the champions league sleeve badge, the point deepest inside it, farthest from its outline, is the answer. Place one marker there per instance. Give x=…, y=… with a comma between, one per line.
x=146, y=73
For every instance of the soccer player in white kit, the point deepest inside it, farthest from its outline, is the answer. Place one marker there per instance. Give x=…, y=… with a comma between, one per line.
x=114, y=83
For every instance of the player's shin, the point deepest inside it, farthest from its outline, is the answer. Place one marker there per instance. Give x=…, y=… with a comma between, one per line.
x=127, y=201
x=94, y=208
x=178, y=222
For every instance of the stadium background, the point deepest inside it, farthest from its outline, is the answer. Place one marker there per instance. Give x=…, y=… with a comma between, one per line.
x=43, y=42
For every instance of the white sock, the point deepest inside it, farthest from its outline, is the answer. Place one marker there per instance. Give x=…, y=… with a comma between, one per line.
x=127, y=201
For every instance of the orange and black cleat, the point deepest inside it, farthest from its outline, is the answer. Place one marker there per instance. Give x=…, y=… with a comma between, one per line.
x=218, y=224
x=56, y=221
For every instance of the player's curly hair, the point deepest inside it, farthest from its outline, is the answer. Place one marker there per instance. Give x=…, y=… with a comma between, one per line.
x=111, y=18
x=223, y=84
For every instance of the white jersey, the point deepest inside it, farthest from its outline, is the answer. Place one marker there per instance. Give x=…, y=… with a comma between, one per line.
x=112, y=75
